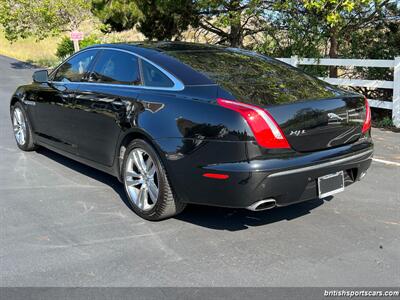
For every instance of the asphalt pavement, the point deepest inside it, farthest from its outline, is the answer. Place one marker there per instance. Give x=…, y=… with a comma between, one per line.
x=66, y=224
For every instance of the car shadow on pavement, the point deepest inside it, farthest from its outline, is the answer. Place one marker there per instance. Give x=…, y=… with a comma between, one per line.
x=22, y=65
x=231, y=219
x=93, y=173
x=217, y=218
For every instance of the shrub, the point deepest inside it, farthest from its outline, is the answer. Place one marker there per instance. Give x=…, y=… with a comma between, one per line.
x=66, y=47
x=386, y=122
x=89, y=40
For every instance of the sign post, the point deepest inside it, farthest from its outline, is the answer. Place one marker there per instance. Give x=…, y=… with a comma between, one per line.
x=76, y=36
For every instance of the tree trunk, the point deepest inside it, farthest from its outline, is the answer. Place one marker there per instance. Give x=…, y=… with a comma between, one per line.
x=235, y=36
x=333, y=52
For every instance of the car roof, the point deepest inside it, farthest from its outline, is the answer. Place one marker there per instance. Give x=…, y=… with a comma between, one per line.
x=157, y=52
x=149, y=46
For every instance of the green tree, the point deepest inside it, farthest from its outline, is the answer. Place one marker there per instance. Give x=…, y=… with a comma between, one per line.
x=313, y=27
x=41, y=18
x=341, y=16
x=380, y=40
x=232, y=20
x=116, y=15
x=165, y=19
x=229, y=20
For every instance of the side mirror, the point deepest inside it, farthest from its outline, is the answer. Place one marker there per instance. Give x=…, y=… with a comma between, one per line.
x=40, y=76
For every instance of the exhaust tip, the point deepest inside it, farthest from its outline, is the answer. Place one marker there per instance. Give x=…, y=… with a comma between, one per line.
x=362, y=175
x=262, y=205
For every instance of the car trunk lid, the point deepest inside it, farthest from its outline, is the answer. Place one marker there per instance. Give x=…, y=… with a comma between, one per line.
x=320, y=124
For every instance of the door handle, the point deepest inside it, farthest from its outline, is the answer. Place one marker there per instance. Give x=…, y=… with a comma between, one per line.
x=67, y=97
x=118, y=102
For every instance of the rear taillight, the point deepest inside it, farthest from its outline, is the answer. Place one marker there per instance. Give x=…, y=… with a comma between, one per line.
x=367, y=121
x=265, y=129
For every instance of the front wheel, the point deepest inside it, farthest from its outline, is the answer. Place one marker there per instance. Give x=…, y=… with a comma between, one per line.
x=22, y=129
x=146, y=183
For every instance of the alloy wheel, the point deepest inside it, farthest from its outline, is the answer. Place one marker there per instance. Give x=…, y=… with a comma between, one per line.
x=19, y=126
x=141, y=179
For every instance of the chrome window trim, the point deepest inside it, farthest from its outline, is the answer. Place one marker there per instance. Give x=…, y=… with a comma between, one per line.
x=178, y=85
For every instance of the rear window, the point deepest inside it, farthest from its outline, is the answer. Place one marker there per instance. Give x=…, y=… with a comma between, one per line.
x=254, y=78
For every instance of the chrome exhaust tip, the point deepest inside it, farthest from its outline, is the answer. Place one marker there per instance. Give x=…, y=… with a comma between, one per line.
x=262, y=205
x=362, y=175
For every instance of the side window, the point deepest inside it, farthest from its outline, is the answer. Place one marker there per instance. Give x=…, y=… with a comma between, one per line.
x=75, y=68
x=116, y=67
x=152, y=76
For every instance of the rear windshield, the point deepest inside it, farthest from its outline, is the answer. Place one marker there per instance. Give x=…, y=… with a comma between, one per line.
x=254, y=78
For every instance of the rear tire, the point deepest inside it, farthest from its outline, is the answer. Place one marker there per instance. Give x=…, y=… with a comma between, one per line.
x=146, y=183
x=22, y=128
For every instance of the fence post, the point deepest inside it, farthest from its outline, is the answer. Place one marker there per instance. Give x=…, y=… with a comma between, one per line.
x=294, y=60
x=396, y=92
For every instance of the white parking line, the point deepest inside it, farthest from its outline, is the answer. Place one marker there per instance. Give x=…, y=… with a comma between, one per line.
x=387, y=162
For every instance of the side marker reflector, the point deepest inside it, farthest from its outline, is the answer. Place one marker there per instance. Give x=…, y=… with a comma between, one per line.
x=216, y=176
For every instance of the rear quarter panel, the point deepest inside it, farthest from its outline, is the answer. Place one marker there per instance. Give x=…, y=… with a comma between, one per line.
x=190, y=131
x=189, y=114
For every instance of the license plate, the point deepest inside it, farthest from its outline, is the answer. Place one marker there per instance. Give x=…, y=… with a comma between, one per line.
x=330, y=184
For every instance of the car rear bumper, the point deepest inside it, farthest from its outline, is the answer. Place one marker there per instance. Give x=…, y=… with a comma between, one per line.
x=287, y=180
x=303, y=184
x=300, y=184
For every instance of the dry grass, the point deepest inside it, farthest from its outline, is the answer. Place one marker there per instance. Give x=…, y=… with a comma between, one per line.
x=123, y=36
x=30, y=50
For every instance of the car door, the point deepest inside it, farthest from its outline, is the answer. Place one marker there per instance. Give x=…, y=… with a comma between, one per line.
x=104, y=103
x=55, y=102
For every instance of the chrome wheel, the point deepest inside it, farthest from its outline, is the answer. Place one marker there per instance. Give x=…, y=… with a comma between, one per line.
x=19, y=125
x=141, y=179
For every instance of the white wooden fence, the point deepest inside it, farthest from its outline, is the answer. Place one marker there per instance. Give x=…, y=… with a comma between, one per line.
x=380, y=63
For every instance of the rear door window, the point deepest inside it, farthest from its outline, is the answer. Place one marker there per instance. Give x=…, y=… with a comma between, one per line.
x=116, y=67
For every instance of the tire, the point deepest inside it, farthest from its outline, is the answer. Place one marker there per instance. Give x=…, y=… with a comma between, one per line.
x=22, y=128
x=142, y=172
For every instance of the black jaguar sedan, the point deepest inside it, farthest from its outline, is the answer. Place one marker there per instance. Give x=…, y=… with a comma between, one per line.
x=182, y=123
